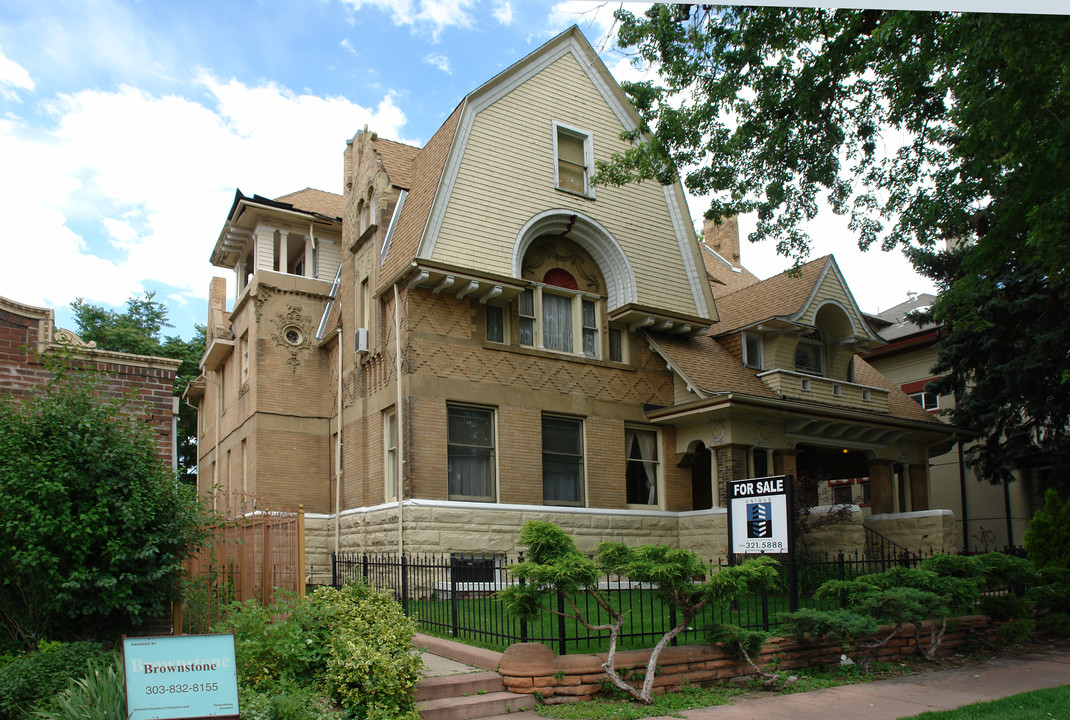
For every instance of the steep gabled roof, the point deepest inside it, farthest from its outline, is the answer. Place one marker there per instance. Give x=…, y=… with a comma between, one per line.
x=396, y=159
x=782, y=295
x=725, y=278
x=426, y=170
x=313, y=200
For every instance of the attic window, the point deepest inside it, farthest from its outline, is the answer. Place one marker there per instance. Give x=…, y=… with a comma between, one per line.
x=752, y=351
x=572, y=150
x=809, y=354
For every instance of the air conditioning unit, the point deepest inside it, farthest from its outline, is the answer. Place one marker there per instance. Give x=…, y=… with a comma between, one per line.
x=360, y=340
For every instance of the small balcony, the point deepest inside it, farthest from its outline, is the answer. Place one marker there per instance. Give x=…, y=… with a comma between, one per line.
x=827, y=391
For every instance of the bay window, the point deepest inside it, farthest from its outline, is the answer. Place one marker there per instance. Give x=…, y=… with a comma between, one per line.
x=552, y=318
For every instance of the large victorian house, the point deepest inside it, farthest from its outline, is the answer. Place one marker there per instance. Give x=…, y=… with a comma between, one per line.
x=473, y=335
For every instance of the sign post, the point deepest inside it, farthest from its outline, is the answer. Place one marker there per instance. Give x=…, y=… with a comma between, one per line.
x=186, y=676
x=761, y=522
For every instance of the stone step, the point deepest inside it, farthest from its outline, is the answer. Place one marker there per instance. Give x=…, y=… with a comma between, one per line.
x=434, y=688
x=474, y=706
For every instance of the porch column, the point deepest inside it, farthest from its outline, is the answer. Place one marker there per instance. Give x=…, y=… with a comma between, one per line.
x=731, y=465
x=919, y=487
x=881, y=487
x=284, y=251
x=784, y=462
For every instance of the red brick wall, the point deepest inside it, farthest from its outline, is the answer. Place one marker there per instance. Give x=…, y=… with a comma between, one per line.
x=151, y=385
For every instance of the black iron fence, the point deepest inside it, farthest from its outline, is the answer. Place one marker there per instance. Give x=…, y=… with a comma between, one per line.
x=457, y=596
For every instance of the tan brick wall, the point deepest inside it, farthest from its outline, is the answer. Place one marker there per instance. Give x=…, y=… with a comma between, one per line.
x=880, y=486
x=919, y=487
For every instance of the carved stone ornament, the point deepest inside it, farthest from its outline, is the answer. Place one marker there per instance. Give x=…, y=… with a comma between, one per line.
x=66, y=337
x=765, y=434
x=293, y=335
x=717, y=431
x=564, y=254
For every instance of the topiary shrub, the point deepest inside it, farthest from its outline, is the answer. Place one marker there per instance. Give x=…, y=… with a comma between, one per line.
x=38, y=677
x=370, y=671
x=1005, y=607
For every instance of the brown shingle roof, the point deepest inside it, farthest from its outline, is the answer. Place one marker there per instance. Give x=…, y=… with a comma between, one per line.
x=710, y=366
x=723, y=279
x=899, y=403
x=426, y=170
x=313, y=200
x=396, y=159
x=778, y=296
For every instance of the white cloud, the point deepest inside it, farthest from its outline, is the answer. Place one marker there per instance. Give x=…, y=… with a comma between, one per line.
x=503, y=12
x=431, y=15
x=440, y=61
x=594, y=18
x=13, y=77
x=126, y=188
x=348, y=47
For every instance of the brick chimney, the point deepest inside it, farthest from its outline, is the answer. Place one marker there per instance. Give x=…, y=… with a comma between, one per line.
x=723, y=238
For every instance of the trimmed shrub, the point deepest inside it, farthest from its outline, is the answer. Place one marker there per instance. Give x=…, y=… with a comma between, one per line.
x=371, y=671
x=1047, y=541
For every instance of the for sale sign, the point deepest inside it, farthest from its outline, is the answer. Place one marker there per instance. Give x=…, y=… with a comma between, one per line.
x=759, y=515
x=187, y=676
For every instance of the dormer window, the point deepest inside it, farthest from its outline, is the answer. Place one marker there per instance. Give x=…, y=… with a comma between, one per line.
x=809, y=354
x=752, y=351
x=574, y=159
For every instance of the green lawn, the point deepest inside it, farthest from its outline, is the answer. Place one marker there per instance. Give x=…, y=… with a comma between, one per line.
x=1049, y=703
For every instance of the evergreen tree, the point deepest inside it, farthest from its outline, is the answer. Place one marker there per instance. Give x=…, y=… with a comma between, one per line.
x=943, y=134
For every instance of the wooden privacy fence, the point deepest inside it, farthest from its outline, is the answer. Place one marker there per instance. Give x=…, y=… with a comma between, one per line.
x=253, y=555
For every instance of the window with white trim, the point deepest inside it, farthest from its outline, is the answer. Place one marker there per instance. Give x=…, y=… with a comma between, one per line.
x=390, y=454
x=552, y=318
x=562, y=461
x=495, y=323
x=243, y=348
x=927, y=400
x=470, y=453
x=574, y=159
x=616, y=344
x=752, y=351
x=809, y=354
x=643, y=472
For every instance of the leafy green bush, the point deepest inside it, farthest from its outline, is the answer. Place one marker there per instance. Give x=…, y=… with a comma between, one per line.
x=1047, y=540
x=284, y=642
x=40, y=676
x=286, y=700
x=100, y=695
x=1005, y=607
x=95, y=525
x=1057, y=624
x=371, y=670
x=1013, y=572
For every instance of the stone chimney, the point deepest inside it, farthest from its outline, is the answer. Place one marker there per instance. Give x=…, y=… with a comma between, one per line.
x=723, y=238
x=218, y=317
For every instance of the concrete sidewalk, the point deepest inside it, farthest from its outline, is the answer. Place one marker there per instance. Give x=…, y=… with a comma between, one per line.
x=898, y=698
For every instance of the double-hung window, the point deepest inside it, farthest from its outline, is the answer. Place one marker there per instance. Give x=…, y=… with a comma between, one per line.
x=809, y=354
x=560, y=319
x=641, y=475
x=574, y=159
x=470, y=453
x=390, y=455
x=562, y=461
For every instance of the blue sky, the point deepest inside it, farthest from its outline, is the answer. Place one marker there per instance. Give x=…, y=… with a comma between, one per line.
x=126, y=126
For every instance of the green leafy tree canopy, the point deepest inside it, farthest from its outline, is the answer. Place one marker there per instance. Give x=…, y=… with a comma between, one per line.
x=138, y=330
x=924, y=128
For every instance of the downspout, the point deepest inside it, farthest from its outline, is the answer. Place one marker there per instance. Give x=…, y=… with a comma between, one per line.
x=401, y=425
x=338, y=454
x=962, y=493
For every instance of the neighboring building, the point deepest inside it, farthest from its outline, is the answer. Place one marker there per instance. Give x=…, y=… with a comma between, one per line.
x=29, y=333
x=988, y=516
x=473, y=335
